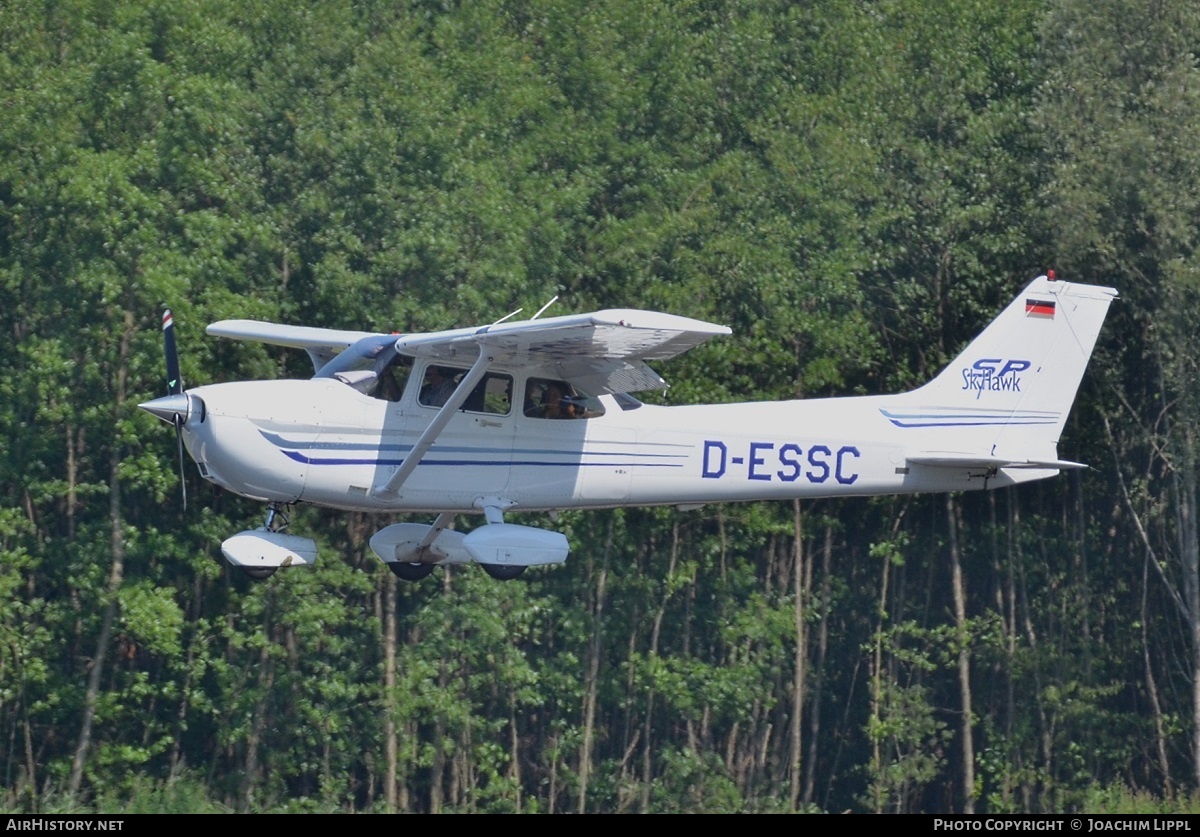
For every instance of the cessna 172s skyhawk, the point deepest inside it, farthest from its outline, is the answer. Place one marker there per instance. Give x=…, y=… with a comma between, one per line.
x=536, y=415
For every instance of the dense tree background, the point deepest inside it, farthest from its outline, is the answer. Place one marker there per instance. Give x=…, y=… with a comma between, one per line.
x=855, y=187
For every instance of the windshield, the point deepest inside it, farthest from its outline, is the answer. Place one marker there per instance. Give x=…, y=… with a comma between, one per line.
x=361, y=356
x=373, y=367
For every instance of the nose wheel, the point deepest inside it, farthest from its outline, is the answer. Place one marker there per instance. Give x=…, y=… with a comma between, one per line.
x=277, y=521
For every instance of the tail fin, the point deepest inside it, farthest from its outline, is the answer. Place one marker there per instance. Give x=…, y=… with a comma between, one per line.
x=1005, y=399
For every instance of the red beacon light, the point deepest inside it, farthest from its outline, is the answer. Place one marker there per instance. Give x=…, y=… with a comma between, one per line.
x=1050, y=275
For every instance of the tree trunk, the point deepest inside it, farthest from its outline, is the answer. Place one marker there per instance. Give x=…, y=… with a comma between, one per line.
x=258, y=721
x=877, y=691
x=814, y=716
x=390, y=744
x=964, y=658
x=1189, y=555
x=1160, y=743
x=593, y=674
x=116, y=572
x=800, y=582
x=652, y=658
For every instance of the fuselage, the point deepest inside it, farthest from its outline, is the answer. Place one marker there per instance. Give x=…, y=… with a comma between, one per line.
x=320, y=441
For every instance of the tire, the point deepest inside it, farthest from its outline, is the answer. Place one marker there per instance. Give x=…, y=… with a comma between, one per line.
x=259, y=573
x=410, y=572
x=503, y=572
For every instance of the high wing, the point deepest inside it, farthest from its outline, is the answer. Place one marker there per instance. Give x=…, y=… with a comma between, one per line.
x=603, y=351
x=322, y=344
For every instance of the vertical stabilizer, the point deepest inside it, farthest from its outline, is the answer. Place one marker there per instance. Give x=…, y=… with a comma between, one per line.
x=1008, y=394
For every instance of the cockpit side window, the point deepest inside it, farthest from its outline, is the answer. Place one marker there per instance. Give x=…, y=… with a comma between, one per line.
x=547, y=398
x=492, y=395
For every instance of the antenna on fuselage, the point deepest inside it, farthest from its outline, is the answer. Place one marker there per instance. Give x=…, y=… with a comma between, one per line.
x=507, y=317
x=553, y=300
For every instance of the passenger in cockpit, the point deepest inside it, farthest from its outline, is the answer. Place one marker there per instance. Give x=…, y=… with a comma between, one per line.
x=439, y=386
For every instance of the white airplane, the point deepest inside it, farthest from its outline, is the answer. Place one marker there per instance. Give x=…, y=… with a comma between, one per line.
x=536, y=415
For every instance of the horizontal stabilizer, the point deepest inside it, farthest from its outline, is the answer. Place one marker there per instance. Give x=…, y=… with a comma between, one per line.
x=963, y=460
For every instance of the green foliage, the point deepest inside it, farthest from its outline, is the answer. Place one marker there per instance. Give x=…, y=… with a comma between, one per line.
x=853, y=187
x=1120, y=799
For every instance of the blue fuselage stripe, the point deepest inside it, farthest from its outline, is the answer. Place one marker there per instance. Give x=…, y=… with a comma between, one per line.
x=291, y=447
x=507, y=463
x=1008, y=423
x=982, y=418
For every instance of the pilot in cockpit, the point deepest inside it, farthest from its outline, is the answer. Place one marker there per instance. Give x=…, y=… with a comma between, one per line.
x=557, y=403
x=553, y=400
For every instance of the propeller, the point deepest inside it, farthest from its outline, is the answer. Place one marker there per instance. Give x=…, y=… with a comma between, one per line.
x=174, y=381
x=174, y=387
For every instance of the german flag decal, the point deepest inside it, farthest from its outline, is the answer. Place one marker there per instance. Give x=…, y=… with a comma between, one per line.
x=1039, y=308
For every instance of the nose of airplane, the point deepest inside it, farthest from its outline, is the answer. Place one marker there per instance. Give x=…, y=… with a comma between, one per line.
x=173, y=409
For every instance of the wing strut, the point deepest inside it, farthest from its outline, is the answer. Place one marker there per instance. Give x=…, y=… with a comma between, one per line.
x=392, y=487
x=443, y=520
